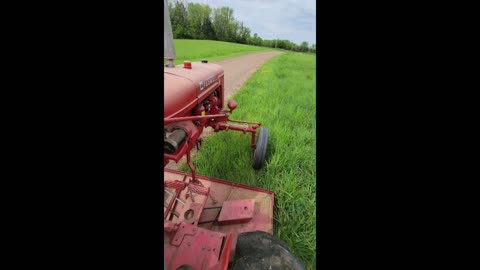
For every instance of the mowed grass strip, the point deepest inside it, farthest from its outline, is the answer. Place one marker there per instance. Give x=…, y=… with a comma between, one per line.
x=196, y=50
x=280, y=95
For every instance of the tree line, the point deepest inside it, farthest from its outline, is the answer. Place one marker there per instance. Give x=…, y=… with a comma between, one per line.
x=200, y=21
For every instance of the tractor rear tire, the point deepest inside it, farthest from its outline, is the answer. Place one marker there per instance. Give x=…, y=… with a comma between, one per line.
x=261, y=250
x=261, y=148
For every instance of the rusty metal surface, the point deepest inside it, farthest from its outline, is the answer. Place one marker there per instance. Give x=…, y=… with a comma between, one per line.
x=220, y=191
x=193, y=246
x=236, y=212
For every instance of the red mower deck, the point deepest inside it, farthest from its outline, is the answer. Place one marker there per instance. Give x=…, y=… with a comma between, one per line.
x=201, y=216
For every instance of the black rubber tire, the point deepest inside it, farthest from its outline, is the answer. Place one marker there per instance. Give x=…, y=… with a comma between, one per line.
x=261, y=150
x=261, y=250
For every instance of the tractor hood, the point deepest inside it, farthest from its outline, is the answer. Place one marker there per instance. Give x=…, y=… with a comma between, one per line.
x=183, y=86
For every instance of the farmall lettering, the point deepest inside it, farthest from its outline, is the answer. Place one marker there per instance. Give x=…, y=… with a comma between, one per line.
x=207, y=83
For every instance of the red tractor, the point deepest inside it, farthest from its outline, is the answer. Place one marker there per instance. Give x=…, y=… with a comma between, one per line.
x=211, y=223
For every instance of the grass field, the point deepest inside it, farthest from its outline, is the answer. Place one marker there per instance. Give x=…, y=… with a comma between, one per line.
x=281, y=95
x=196, y=50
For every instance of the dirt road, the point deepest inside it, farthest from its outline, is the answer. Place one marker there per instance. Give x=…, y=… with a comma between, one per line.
x=237, y=71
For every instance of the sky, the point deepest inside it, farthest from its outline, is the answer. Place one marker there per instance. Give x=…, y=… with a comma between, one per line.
x=292, y=20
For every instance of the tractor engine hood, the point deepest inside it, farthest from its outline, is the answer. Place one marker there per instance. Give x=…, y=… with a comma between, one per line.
x=184, y=87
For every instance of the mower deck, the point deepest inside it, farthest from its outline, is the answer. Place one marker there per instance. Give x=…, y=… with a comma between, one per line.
x=201, y=220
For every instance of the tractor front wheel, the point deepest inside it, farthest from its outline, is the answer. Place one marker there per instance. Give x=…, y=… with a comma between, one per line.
x=261, y=148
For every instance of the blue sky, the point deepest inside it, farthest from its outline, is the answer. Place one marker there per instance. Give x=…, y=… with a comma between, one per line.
x=293, y=20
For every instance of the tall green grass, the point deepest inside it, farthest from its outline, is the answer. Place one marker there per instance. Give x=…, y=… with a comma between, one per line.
x=280, y=95
x=196, y=50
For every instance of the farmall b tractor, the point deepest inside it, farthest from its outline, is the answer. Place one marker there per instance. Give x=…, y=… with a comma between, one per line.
x=211, y=223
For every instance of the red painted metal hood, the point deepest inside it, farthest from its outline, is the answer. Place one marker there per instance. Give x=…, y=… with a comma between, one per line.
x=182, y=86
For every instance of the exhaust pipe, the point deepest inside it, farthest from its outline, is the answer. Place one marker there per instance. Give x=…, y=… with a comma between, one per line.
x=168, y=47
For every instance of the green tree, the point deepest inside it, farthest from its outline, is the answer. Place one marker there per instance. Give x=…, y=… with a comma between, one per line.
x=244, y=34
x=304, y=46
x=179, y=19
x=195, y=20
x=208, y=29
x=199, y=21
x=222, y=23
x=257, y=40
